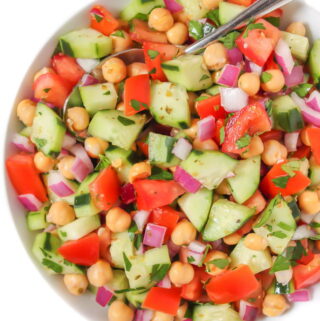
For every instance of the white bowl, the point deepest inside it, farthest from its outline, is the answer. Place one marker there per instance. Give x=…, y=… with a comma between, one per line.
x=300, y=10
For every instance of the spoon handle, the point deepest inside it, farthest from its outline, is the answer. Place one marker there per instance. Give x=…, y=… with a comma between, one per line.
x=256, y=9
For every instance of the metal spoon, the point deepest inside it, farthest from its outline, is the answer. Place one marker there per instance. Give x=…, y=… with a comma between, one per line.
x=259, y=8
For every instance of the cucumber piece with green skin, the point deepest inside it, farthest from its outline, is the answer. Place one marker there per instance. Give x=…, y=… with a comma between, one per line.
x=138, y=275
x=79, y=228
x=48, y=131
x=188, y=71
x=228, y=11
x=74, y=99
x=169, y=105
x=98, y=97
x=197, y=207
x=314, y=175
x=276, y=224
x=246, y=180
x=217, y=312
x=299, y=45
x=26, y=131
x=119, y=282
x=279, y=288
x=158, y=255
x=209, y=167
x=136, y=298
x=116, y=128
x=193, y=9
x=139, y=6
x=258, y=261
x=214, y=90
x=37, y=220
x=286, y=114
x=83, y=203
x=296, y=213
x=121, y=243
x=314, y=61
x=86, y=43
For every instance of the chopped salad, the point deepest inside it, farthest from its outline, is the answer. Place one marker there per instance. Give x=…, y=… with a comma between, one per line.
x=180, y=187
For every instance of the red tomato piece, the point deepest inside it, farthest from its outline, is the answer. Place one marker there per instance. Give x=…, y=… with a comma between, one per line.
x=105, y=241
x=256, y=201
x=271, y=63
x=163, y=300
x=102, y=20
x=308, y=257
x=141, y=32
x=156, y=193
x=144, y=148
x=246, y=228
x=24, y=176
x=302, y=152
x=84, y=251
x=272, y=134
x=314, y=136
x=211, y=106
x=218, y=131
x=193, y=290
x=245, y=3
x=307, y=275
x=105, y=189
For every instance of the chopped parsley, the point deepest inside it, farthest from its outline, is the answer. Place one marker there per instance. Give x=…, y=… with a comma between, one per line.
x=285, y=226
x=153, y=53
x=46, y=90
x=125, y=121
x=281, y=181
x=127, y=263
x=137, y=105
x=302, y=90
x=222, y=134
x=265, y=77
x=291, y=167
x=159, y=271
x=107, y=93
x=190, y=259
x=279, y=234
x=195, y=29
x=159, y=173
x=118, y=33
x=219, y=263
x=98, y=18
x=40, y=142
x=253, y=26
x=200, y=98
x=244, y=141
x=152, y=71
x=268, y=105
x=229, y=40
x=55, y=267
x=213, y=15
x=204, y=77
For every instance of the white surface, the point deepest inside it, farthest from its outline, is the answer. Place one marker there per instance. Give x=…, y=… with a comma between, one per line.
x=25, y=28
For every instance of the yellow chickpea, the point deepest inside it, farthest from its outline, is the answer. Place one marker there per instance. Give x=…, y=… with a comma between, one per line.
x=65, y=165
x=213, y=269
x=160, y=19
x=297, y=28
x=215, y=56
x=210, y=4
x=42, y=71
x=224, y=188
x=273, y=152
x=77, y=118
x=120, y=106
x=119, y=311
x=192, y=101
x=305, y=137
x=181, y=312
x=208, y=144
x=137, y=68
x=276, y=82
x=249, y=82
x=232, y=239
x=139, y=171
x=43, y=163
x=76, y=283
x=255, y=148
x=181, y=16
x=309, y=202
x=181, y=273
x=95, y=146
x=120, y=41
x=255, y=242
x=178, y=34
x=184, y=233
x=193, y=129
x=114, y=70
x=118, y=220
x=100, y=273
x=26, y=111
x=61, y=213
x=274, y=305
x=160, y=316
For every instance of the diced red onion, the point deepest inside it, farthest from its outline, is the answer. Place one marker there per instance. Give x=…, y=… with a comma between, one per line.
x=314, y=100
x=285, y=276
x=23, y=143
x=80, y=170
x=30, y=202
x=173, y=249
x=234, y=56
x=104, y=295
x=307, y=218
x=197, y=246
x=233, y=99
x=127, y=193
x=296, y=77
x=173, y=5
x=154, y=235
x=284, y=57
x=182, y=148
x=81, y=153
x=165, y=282
x=255, y=68
x=88, y=80
x=229, y=75
x=206, y=128
x=248, y=312
x=291, y=141
x=141, y=219
x=303, y=295
x=88, y=64
x=189, y=183
x=196, y=257
x=59, y=185
x=303, y=232
x=96, y=11
x=188, y=318
x=63, y=153
x=68, y=141
x=143, y=315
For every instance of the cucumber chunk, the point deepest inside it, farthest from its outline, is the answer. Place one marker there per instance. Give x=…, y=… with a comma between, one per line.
x=298, y=45
x=37, y=220
x=119, y=282
x=193, y=9
x=217, y=312
x=138, y=275
x=121, y=243
x=136, y=298
x=139, y=6
x=314, y=61
x=74, y=99
x=157, y=256
x=279, y=288
x=228, y=11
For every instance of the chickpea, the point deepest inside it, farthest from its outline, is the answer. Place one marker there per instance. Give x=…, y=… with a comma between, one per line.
x=119, y=311
x=100, y=273
x=160, y=19
x=276, y=82
x=77, y=118
x=118, y=220
x=42, y=71
x=181, y=16
x=255, y=242
x=61, y=213
x=211, y=268
x=114, y=70
x=224, y=188
x=120, y=41
x=192, y=131
x=309, y=202
x=121, y=106
x=274, y=305
x=215, y=56
x=65, y=165
x=255, y=148
x=160, y=316
x=181, y=273
x=26, y=111
x=297, y=28
x=139, y=171
x=43, y=163
x=210, y=4
x=192, y=101
x=137, y=68
x=181, y=312
x=95, y=146
x=184, y=233
x=178, y=34
x=305, y=137
x=208, y=144
x=273, y=152
x=232, y=239
x=76, y=283
x=249, y=82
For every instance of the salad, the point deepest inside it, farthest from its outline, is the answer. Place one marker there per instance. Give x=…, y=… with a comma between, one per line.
x=184, y=187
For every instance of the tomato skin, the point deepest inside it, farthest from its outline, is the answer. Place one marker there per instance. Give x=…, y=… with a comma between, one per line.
x=271, y=63
x=272, y=134
x=84, y=251
x=104, y=242
x=217, y=129
x=307, y=275
x=102, y=20
x=314, y=136
x=246, y=228
x=193, y=290
x=105, y=189
x=141, y=32
x=24, y=176
x=211, y=106
x=144, y=148
x=245, y=3
x=256, y=201
x=302, y=152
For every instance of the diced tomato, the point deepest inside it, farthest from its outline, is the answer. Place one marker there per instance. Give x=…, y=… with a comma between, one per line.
x=136, y=94
x=165, y=216
x=272, y=134
x=278, y=13
x=307, y=275
x=309, y=255
x=233, y=285
x=105, y=189
x=105, y=241
x=314, y=136
x=67, y=68
x=258, y=45
x=52, y=88
x=102, y=20
x=294, y=185
x=302, y=152
x=256, y=201
x=140, y=32
x=84, y=251
x=252, y=119
x=245, y=3
x=211, y=106
x=271, y=63
x=144, y=148
x=24, y=176
x=193, y=290
x=246, y=228
x=217, y=131
x=204, y=276
x=156, y=193
x=163, y=300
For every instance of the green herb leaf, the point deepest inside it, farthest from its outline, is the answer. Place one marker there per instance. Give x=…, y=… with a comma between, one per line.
x=153, y=53
x=273, y=20
x=253, y=26
x=118, y=33
x=137, y=105
x=280, y=264
x=222, y=134
x=265, y=77
x=125, y=121
x=244, y=141
x=213, y=15
x=268, y=105
x=279, y=234
x=281, y=181
x=229, y=40
x=291, y=167
x=159, y=271
x=127, y=263
x=141, y=16
x=137, y=241
x=161, y=174
x=46, y=90
x=107, y=93
x=268, y=211
x=219, y=263
x=200, y=98
x=314, y=224
x=204, y=77
x=190, y=259
x=129, y=290
x=98, y=18
x=285, y=226
x=57, y=268
x=104, y=162
x=40, y=142
x=152, y=71
x=302, y=90
x=196, y=29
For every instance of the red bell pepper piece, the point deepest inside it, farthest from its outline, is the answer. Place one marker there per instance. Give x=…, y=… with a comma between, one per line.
x=193, y=290
x=144, y=148
x=245, y=3
x=314, y=136
x=272, y=134
x=302, y=152
x=102, y=20
x=307, y=275
x=211, y=106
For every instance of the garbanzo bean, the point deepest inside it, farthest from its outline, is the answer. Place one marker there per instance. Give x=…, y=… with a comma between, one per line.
x=119, y=311
x=26, y=111
x=160, y=316
x=61, y=213
x=181, y=312
x=100, y=273
x=121, y=106
x=193, y=129
x=255, y=242
x=215, y=56
x=305, y=137
x=276, y=82
x=76, y=283
x=160, y=19
x=184, y=233
x=114, y=70
x=309, y=202
x=232, y=239
x=255, y=148
x=65, y=165
x=120, y=41
x=118, y=220
x=224, y=188
x=297, y=28
x=274, y=305
x=213, y=269
x=95, y=146
x=137, y=68
x=249, y=82
x=181, y=16
x=178, y=33
x=208, y=144
x=181, y=273
x=77, y=118
x=43, y=163
x=139, y=171
x=210, y=4
x=273, y=152
x=192, y=101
